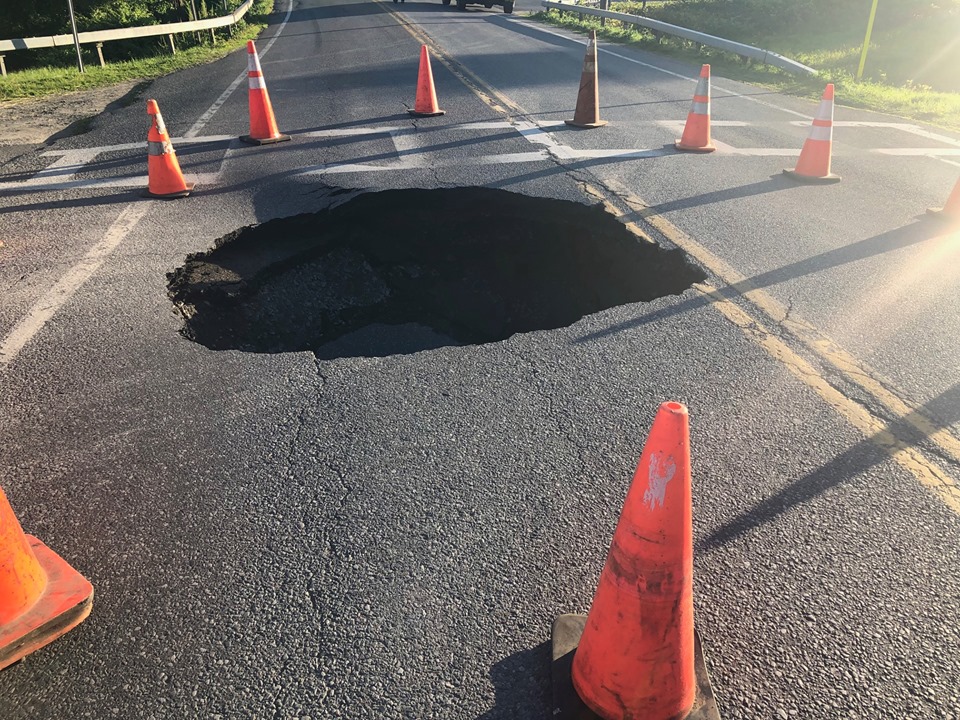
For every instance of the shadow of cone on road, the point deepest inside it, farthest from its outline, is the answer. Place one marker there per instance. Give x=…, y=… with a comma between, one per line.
x=696, y=133
x=951, y=211
x=41, y=596
x=635, y=655
x=587, y=113
x=165, y=180
x=263, y=124
x=426, y=102
x=813, y=167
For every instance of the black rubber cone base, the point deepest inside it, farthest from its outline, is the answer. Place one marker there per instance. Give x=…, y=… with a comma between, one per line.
x=567, y=705
x=812, y=179
x=438, y=113
x=586, y=126
x=263, y=141
x=169, y=196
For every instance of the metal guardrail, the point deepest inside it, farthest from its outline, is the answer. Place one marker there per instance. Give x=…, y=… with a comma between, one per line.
x=96, y=36
x=747, y=51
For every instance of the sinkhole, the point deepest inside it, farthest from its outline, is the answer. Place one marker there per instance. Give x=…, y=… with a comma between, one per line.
x=400, y=271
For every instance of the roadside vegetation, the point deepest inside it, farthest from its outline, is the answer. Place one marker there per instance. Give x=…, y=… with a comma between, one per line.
x=37, y=73
x=912, y=69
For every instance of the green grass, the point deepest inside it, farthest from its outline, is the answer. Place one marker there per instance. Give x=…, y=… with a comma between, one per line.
x=40, y=82
x=907, y=60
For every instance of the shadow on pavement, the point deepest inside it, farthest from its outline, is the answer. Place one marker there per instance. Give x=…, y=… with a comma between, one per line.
x=943, y=411
x=917, y=232
x=522, y=685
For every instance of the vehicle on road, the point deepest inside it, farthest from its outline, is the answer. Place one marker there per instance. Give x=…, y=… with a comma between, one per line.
x=462, y=4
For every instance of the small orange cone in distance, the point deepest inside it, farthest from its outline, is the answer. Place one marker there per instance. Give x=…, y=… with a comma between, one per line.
x=951, y=211
x=165, y=178
x=814, y=163
x=41, y=597
x=263, y=124
x=426, y=103
x=696, y=133
x=636, y=655
x=587, y=114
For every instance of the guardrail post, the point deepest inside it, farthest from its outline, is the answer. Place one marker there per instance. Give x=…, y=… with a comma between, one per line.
x=604, y=5
x=213, y=37
x=3, y=66
x=100, y=54
x=173, y=45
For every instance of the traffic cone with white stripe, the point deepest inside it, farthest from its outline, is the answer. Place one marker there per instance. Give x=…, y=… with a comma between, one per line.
x=426, y=103
x=696, y=133
x=587, y=114
x=636, y=655
x=41, y=596
x=165, y=180
x=263, y=124
x=951, y=211
x=814, y=163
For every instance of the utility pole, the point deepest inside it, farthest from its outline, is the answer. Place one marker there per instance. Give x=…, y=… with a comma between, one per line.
x=866, y=40
x=76, y=38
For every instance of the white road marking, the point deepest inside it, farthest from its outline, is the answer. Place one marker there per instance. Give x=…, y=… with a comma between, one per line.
x=929, y=152
x=410, y=163
x=126, y=181
x=57, y=296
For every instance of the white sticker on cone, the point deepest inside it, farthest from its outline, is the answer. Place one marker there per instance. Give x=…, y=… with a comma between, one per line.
x=661, y=472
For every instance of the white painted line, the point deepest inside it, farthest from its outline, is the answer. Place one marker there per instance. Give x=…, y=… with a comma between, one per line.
x=64, y=168
x=928, y=152
x=128, y=181
x=55, y=298
x=569, y=153
x=713, y=123
x=351, y=132
x=488, y=125
x=218, y=103
x=407, y=147
x=409, y=163
x=139, y=146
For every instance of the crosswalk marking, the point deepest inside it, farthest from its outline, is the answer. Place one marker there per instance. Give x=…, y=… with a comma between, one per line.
x=64, y=172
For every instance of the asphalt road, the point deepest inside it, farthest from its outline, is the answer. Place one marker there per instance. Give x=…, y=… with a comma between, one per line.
x=271, y=534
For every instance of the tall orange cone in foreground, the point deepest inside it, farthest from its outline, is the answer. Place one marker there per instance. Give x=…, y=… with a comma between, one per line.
x=165, y=178
x=696, y=133
x=263, y=124
x=41, y=597
x=951, y=211
x=426, y=103
x=814, y=163
x=587, y=114
x=638, y=656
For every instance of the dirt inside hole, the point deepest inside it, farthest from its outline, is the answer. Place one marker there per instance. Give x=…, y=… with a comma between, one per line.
x=401, y=271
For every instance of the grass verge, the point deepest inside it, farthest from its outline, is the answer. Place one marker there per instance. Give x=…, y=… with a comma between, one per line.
x=40, y=82
x=916, y=103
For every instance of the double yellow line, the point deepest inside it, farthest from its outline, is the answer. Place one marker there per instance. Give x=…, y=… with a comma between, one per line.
x=885, y=436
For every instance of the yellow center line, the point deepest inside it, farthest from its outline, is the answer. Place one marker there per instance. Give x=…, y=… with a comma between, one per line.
x=880, y=433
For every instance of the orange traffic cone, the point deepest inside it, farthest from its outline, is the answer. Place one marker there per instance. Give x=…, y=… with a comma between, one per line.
x=263, y=124
x=587, y=114
x=165, y=178
x=814, y=163
x=426, y=104
x=638, y=655
x=696, y=133
x=41, y=597
x=951, y=211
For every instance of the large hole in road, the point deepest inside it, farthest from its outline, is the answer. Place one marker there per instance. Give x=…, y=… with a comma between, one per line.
x=401, y=271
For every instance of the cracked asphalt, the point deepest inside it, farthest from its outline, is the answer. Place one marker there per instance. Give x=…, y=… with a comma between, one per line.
x=280, y=535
